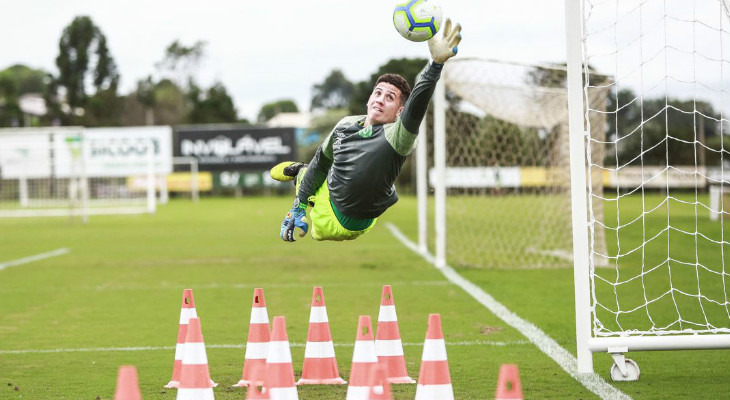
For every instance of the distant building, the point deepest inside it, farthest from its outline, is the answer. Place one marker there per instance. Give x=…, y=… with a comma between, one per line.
x=32, y=105
x=290, y=120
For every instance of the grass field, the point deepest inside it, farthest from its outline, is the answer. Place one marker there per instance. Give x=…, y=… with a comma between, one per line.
x=68, y=322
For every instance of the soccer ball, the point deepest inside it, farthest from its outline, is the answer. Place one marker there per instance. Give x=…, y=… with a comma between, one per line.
x=417, y=20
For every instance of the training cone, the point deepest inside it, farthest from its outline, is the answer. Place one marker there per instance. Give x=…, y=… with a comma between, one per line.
x=379, y=383
x=508, y=384
x=195, y=382
x=279, y=369
x=388, y=345
x=127, y=384
x=320, y=364
x=257, y=383
x=187, y=311
x=257, y=346
x=363, y=359
x=434, y=380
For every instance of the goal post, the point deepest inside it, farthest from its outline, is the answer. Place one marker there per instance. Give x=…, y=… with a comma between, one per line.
x=77, y=172
x=661, y=282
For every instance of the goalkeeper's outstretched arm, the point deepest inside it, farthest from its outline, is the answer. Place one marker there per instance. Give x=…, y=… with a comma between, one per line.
x=442, y=47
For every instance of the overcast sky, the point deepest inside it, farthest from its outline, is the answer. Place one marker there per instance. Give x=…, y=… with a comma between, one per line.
x=268, y=50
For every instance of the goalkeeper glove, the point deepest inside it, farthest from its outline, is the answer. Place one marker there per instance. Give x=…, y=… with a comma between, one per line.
x=445, y=46
x=295, y=218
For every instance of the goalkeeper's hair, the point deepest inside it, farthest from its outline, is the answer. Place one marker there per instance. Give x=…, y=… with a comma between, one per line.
x=399, y=82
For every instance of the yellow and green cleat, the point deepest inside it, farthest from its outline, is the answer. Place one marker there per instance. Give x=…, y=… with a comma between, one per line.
x=286, y=171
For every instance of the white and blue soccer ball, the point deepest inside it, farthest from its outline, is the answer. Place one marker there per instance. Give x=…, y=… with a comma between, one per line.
x=417, y=20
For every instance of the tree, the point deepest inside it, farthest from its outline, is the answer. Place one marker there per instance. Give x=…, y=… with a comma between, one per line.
x=10, y=114
x=269, y=110
x=28, y=80
x=182, y=62
x=334, y=92
x=215, y=106
x=648, y=130
x=170, y=103
x=16, y=81
x=408, y=68
x=85, y=62
x=160, y=103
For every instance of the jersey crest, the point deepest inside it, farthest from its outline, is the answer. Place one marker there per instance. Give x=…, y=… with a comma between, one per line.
x=366, y=133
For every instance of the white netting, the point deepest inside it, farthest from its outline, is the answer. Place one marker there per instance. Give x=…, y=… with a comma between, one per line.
x=57, y=172
x=664, y=149
x=507, y=165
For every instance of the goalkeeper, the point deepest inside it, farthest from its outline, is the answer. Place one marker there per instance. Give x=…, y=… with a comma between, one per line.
x=349, y=182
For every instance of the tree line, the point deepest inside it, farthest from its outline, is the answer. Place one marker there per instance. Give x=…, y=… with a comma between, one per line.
x=85, y=88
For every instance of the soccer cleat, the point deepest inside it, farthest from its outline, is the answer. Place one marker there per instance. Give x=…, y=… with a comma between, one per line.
x=286, y=171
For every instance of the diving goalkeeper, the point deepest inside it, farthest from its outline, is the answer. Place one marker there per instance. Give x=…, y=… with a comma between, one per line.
x=349, y=182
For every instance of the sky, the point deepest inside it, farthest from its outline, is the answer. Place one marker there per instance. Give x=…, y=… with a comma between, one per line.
x=263, y=51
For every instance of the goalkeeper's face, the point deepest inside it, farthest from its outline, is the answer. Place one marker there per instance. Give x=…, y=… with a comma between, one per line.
x=384, y=104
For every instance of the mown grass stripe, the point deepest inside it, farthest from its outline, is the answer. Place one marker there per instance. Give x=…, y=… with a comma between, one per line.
x=238, y=346
x=545, y=343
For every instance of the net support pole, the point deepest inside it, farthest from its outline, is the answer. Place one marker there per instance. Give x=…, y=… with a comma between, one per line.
x=439, y=152
x=581, y=267
x=23, y=190
x=194, y=179
x=84, y=178
x=164, y=192
x=151, y=195
x=422, y=187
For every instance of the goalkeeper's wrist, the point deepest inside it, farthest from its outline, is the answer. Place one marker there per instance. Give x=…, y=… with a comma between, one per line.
x=300, y=204
x=436, y=65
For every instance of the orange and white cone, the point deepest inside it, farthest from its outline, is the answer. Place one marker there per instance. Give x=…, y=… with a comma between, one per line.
x=195, y=383
x=279, y=369
x=388, y=344
x=257, y=346
x=257, y=384
x=508, y=384
x=187, y=311
x=363, y=359
x=320, y=364
x=379, y=384
x=434, y=380
x=127, y=384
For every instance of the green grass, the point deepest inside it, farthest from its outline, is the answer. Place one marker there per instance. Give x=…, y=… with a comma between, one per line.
x=120, y=286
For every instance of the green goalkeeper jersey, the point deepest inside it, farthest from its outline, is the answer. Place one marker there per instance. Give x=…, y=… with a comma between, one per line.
x=361, y=164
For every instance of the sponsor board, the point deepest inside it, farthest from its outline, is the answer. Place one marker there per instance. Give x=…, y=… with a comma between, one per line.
x=247, y=180
x=650, y=177
x=656, y=177
x=94, y=152
x=479, y=177
x=176, y=182
x=114, y=152
x=235, y=148
x=25, y=156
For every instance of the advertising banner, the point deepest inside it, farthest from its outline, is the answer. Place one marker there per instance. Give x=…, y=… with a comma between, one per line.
x=25, y=156
x=235, y=148
x=479, y=177
x=110, y=152
x=656, y=177
x=247, y=180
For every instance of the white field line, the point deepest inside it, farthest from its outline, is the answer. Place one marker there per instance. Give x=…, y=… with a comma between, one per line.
x=238, y=346
x=110, y=287
x=545, y=343
x=36, y=257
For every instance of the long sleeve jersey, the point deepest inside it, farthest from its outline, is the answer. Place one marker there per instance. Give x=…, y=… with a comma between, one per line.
x=362, y=163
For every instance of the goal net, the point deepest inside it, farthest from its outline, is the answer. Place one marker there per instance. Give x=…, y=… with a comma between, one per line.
x=507, y=173
x=74, y=172
x=662, y=274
